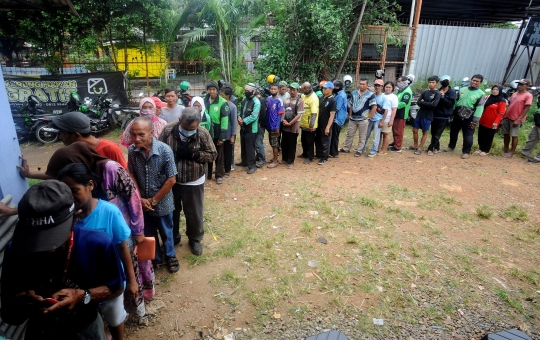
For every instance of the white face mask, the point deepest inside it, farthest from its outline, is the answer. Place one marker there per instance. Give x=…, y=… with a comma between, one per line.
x=402, y=84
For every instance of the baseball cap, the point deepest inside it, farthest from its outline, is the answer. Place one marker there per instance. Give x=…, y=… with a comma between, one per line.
x=45, y=217
x=158, y=102
x=378, y=82
x=282, y=83
x=524, y=81
x=72, y=122
x=294, y=85
x=328, y=84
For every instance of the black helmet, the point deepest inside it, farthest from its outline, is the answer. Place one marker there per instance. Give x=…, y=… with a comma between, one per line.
x=338, y=83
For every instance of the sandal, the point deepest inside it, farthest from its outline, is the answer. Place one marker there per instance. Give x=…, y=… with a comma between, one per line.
x=418, y=152
x=172, y=264
x=412, y=148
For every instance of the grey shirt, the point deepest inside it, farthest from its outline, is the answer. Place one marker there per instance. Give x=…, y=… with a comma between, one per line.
x=171, y=115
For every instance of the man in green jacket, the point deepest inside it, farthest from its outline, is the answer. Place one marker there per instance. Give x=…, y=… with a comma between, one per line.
x=218, y=109
x=467, y=112
x=249, y=125
x=405, y=96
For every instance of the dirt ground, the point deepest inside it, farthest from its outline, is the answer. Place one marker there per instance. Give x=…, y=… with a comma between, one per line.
x=188, y=304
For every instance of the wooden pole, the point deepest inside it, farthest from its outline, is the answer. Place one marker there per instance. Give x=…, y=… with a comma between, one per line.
x=385, y=47
x=357, y=78
x=351, y=41
x=414, y=29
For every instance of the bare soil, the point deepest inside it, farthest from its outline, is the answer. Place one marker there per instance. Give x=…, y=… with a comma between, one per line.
x=188, y=304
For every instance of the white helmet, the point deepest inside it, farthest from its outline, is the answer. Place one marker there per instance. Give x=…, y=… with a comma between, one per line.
x=410, y=77
x=514, y=84
x=347, y=80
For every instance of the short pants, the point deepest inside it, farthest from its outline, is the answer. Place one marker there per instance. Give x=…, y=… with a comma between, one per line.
x=273, y=139
x=386, y=128
x=421, y=123
x=113, y=311
x=508, y=128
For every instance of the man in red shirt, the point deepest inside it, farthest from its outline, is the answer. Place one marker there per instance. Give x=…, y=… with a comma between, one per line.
x=515, y=115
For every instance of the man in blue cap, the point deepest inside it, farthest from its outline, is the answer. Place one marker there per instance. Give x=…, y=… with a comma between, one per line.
x=327, y=110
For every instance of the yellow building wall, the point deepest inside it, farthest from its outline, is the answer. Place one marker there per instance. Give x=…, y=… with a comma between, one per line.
x=137, y=63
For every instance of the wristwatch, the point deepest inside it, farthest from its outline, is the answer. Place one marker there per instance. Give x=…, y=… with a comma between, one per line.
x=87, y=297
x=153, y=202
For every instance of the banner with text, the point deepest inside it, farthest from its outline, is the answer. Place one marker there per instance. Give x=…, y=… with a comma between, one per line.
x=53, y=91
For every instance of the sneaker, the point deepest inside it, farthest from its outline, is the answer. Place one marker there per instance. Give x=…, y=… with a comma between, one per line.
x=219, y=180
x=290, y=166
x=448, y=150
x=307, y=161
x=534, y=160
x=436, y=151
x=357, y=154
x=430, y=153
x=232, y=167
x=391, y=145
x=465, y=156
x=196, y=247
x=483, y=154
x=344, y=151
x=228, y=174
x=393, y=149
x=252, y=170
x=260, y=164
x=372, y=154
x=323, y=161
x=477, y=152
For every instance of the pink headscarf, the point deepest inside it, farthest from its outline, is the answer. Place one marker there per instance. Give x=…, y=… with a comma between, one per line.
x=157, y=122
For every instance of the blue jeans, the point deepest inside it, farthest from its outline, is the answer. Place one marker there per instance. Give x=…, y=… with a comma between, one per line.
x=373, y=126
x=259, y=146
x=163, y=225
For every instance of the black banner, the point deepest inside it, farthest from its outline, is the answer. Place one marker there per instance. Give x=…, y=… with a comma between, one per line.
x=54, y=91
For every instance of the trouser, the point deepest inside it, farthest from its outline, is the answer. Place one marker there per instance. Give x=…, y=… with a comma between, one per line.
x=288, y=146
x=532, y=141
x=485, y=138
x=259, y=145
x=465, y=126
x=220, y=171
x=398, y=130
x=356, y=125
x=308, y=142
x=228, y=155
x=164, y=226
x=325, y=141
x=38, y=328
x=437, y=129
x=318, y=142
x=247, y=146
x=334, y=141
x=373, y=126
x=190, y=199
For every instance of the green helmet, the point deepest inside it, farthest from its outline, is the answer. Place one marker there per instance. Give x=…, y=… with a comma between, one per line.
x=83, y=108
x=185, y=85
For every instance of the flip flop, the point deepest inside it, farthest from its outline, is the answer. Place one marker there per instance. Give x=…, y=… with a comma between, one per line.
x=418, y=152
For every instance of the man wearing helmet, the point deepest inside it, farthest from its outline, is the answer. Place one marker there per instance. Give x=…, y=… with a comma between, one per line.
x=218, y=109
x=402, y=113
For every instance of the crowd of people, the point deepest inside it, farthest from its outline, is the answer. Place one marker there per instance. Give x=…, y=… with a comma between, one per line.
x=73, y=261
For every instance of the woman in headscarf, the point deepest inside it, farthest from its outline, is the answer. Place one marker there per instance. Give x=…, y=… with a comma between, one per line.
x=148, y=109
x=494, y=109
x=113, y=185
x=198, y=103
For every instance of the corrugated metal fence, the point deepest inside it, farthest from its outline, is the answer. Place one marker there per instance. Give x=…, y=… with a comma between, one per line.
x=7, y=225
x=464, y=51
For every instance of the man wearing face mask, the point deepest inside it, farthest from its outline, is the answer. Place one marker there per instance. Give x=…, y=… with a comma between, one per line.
x=248, y=118
x=339, y=118
x=404, y=105
x=193, y=148
x=219, y=112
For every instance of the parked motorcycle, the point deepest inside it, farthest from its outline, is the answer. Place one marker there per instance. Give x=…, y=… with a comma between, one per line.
x=32, y=121
x=102, y=112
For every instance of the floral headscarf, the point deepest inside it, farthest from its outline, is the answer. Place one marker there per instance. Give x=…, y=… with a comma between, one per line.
x=157, y=122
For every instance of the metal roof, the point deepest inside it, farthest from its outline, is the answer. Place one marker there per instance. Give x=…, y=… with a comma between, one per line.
x=38, y=5
x=478, y=11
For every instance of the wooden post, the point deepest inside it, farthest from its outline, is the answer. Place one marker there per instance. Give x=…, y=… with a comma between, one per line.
x=357, y=78
x=351, y=41
x=417, y=11
x=385, y=47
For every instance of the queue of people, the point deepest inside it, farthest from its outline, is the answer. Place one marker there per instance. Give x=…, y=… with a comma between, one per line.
x=73, y=265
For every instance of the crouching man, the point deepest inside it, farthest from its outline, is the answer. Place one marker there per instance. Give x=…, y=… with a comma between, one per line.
x=55, y=274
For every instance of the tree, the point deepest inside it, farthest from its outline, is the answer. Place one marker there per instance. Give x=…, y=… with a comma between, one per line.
x=306, y=39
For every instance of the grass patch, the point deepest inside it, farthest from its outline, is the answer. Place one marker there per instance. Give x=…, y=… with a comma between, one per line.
x=514, y=213
x=503, y=295
x=484, y=211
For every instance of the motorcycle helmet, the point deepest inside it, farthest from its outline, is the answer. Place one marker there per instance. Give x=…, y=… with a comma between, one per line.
x=321, y=84
x=410, y=78
x=465, y=82
x=184, y=86
x=379, y=74
x=272, y=78
x=339, y=84
x=347, y=80
x=74, y=97
x=220, y=83
x=514, y=84
x=446, y=77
